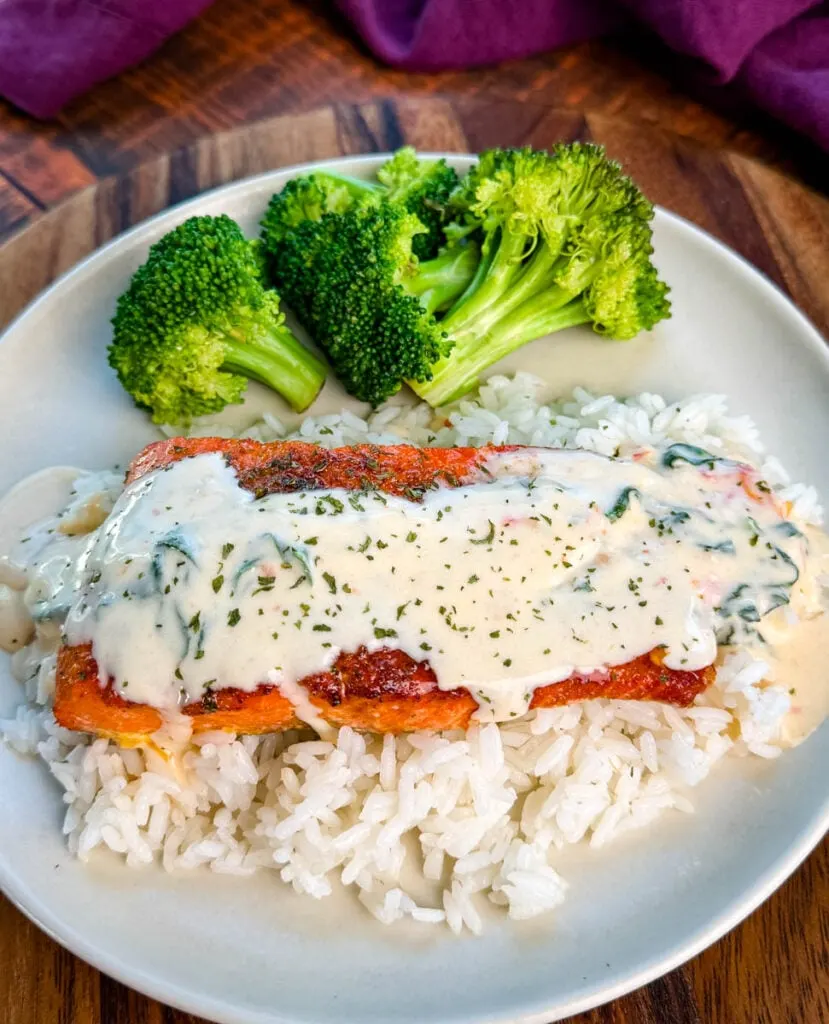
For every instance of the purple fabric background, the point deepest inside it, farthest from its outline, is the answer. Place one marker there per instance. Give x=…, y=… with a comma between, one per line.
x=54, y=50
x=775, y=51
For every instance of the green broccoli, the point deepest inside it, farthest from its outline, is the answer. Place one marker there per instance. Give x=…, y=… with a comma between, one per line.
x=348, y=271
x=422, y=187
x=535, y=242
x=198, y=320
x=566, y=240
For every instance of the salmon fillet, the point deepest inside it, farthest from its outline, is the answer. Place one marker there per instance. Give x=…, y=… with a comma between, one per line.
x=375, y=691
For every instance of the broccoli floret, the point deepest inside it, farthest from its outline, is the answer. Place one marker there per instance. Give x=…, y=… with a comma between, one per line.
x=354, y=282
x=198, y=320
x=537, y=241
x=307, y=199
x=422, y=187
x=565, y=240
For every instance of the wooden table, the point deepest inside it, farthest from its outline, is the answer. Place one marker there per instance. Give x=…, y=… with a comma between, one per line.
x=249, y=59
x=245, y=60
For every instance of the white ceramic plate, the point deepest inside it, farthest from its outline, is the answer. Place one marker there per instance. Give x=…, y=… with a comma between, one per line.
x=250, y=950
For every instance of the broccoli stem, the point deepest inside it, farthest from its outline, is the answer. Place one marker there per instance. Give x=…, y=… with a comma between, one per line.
x=534, y=277
x=503, y=265
x=439, y=281
x=277, y=360
x=473, y=286
x=458, y=373
x=357, y=187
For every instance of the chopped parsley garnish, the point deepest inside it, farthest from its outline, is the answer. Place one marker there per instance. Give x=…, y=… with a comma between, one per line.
x=488, y=539
x=381, y=634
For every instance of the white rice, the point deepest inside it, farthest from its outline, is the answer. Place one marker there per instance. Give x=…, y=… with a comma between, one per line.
x=477, y=814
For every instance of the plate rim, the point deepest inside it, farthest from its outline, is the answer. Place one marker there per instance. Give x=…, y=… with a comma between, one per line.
x=224, y=1012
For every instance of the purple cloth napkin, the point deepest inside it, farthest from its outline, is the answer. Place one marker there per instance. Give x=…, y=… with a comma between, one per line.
x=54, y=50
x=776, y=51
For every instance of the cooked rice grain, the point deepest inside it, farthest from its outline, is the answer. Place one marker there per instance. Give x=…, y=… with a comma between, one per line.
x=487, y=809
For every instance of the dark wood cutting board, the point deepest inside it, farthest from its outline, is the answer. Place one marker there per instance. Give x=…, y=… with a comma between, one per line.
x=772, y=969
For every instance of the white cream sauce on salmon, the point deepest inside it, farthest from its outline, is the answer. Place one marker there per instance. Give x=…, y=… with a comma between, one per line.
x=554, y=562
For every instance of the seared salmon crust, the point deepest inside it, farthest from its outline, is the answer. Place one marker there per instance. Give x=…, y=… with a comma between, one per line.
x=376, y=691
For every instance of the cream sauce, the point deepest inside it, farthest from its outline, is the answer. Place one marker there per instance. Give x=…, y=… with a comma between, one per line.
x=801, y=667
x=557, y=561
x=35, y=499
x=44, y=520
x=38, y=497
x=801, y=653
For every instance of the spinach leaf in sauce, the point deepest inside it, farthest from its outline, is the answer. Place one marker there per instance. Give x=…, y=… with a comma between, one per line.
x=622, y=504
x=693, y=455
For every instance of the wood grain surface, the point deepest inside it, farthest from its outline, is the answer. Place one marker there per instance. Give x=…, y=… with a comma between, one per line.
x=248, y=59
x=772, y=969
